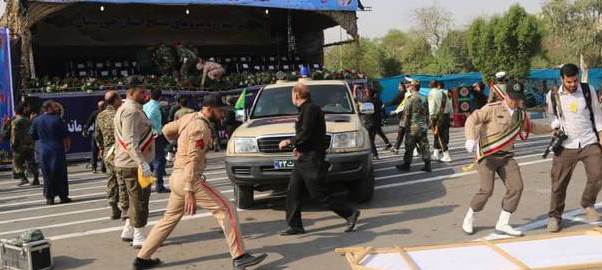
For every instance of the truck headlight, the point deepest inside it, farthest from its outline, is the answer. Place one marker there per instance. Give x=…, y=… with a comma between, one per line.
x=245, y=145
x=347, y=140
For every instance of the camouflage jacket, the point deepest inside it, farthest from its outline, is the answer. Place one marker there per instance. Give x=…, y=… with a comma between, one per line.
x=105, y=129
x=416, y=113
x=20, y=139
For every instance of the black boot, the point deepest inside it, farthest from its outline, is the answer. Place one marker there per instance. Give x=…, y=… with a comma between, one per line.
x=24, y=180
x=36, y=180
x=427, y=166
x=246, y=260
x=141, y=264
x=115, y=212
x=352, y=220
x=403, y=167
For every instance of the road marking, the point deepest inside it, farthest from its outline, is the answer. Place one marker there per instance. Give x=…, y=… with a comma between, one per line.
x=117, y=228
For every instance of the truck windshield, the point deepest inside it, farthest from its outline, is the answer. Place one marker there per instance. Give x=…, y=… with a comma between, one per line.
x=333, y=99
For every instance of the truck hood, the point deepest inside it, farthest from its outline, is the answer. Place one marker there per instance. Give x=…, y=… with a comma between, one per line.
x=335, y=123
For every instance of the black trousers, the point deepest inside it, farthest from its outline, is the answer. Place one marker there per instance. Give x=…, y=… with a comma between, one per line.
x=381, y=133
x=94, y=159
x=401, y=133
x=443, y=126
x=309, y=176
x=372, y=134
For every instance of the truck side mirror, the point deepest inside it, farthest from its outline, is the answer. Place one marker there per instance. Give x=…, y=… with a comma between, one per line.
x=367, y=108
x=241, y=115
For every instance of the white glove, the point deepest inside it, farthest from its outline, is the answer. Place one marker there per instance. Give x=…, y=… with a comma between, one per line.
x=555, y=124
x=471, y=146
x=146, y=170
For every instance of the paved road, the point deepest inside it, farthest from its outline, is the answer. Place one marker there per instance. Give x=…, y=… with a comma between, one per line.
x=408, y=209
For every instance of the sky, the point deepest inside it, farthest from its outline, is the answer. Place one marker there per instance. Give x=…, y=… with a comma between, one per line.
x=396, y=14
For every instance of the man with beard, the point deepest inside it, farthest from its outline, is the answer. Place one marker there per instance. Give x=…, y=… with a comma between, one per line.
x=22, y=146
x=134, y=150
x=189, y=187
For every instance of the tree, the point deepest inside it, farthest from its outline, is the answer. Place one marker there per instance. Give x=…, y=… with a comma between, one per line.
x=577, y=25
x=433, y=23
x=505, y=43
x=416, y=56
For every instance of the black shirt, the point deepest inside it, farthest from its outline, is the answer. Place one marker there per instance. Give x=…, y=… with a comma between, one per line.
x=91, y=120
x=310, y=129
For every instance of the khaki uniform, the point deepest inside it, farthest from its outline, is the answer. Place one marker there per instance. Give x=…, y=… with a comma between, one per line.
x=105, y=137
x=181, y=112
x=440, y=118
x=134, y=146
x=194, y=138
x=493, y=96
x=416, y=122
x=22, y=146
x=487, y=124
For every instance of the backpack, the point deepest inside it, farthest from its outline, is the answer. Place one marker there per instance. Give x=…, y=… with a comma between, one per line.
x=587, y=94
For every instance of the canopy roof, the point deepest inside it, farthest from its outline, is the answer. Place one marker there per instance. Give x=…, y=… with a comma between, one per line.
x=331, y=5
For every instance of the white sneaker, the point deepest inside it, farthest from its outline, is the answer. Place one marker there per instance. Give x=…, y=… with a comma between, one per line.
x=169, y=157
x=139, y=237
x=503, y=227
x=435, y=155
x=446, y=157
x=468, y=224
x=415, y=152
x=127, y=234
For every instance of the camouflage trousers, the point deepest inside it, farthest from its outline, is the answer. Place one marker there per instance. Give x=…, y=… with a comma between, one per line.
x=19, y=160
x=416, y=138
x=117, y=194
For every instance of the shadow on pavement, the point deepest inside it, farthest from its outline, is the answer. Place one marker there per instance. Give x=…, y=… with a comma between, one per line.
x=66, y=262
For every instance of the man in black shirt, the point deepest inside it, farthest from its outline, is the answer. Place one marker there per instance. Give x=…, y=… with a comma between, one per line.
x=310, y=168
x=88, y=128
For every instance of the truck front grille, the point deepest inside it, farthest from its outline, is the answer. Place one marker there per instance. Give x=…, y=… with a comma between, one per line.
x=270, y=144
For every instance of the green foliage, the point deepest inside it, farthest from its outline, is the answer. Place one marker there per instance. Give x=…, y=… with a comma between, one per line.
x=507, y=43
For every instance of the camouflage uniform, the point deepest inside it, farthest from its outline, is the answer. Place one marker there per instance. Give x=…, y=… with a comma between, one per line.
x=22, y=146
x=416, y=121
x=105, y=135
x=188, y=60
x=164, y=58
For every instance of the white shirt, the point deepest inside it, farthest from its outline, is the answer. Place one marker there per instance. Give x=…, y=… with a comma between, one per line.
x=435, y=98
x=576, y=121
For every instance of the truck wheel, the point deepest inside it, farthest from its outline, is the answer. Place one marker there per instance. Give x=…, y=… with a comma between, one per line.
x=363, y=188
x=243, y=196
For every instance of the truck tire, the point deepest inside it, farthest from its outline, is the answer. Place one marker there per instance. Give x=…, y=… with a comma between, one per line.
x=363, y=189
x=243, y=196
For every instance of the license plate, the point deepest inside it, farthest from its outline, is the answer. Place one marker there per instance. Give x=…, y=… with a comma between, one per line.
x=284, y=164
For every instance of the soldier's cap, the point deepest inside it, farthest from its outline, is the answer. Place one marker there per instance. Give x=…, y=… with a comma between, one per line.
x=515, y=90
x=135, y=81
x=215, y=101
x=500, y=75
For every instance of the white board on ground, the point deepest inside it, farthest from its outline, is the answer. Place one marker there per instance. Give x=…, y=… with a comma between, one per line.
x=387, y=261
x=562, y=251
x=466, y=258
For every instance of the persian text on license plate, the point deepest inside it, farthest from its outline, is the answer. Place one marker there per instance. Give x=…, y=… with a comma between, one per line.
x=284, y=164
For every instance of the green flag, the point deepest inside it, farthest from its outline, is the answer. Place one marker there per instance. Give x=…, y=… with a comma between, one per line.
x=242, y=100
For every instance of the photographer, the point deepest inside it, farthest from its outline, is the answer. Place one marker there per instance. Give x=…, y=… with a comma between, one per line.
x=575, y=111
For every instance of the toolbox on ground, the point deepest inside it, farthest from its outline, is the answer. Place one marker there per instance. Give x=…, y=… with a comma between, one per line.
x=31, y=256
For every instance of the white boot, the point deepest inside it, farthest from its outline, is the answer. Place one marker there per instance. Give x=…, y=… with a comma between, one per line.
x=468, y=224
x=415, y=152
x=435, y=155
x=127, y=234
x=139, y=237
x=503, y=225
x=446, y=157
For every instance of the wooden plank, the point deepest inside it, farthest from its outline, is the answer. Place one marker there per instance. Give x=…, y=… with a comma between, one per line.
x=509, y=257
x=359, y=257
x=406, y=257
x=596, y=265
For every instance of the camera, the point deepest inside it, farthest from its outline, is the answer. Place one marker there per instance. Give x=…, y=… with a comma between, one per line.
x=558, y=138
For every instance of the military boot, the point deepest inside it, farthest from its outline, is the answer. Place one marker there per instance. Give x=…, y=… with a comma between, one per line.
x=36, y=179
x=115, y=212
x=24, y=180
x=427, y=166
x=403, y=167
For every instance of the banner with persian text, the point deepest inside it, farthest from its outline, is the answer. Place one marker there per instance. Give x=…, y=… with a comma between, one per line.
x=6, y=86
